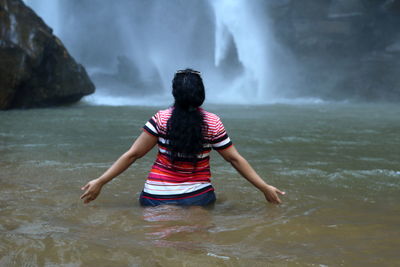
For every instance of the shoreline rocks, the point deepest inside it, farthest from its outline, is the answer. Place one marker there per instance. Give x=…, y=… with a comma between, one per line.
x=36, y=70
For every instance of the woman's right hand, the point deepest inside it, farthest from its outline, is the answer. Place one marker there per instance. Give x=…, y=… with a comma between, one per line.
x=92, y=190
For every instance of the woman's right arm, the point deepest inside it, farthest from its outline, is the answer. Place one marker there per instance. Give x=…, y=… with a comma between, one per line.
x=270, y=192
x=143, y=144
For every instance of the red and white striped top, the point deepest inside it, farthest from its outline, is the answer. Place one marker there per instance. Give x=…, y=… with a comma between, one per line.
x=181, y=177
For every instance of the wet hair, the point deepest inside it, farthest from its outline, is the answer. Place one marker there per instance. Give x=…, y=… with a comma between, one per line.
x=185, y=126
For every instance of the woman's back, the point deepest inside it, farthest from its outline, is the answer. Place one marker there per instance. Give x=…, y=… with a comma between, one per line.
x=182, y=175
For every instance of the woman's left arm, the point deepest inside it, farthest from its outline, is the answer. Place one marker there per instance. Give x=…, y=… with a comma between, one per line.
x=143, y=144
x=270, y=192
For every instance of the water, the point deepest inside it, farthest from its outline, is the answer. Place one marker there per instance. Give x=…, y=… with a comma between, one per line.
x=338, y=163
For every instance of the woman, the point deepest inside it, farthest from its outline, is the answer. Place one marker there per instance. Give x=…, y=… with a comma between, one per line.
x=185, y=134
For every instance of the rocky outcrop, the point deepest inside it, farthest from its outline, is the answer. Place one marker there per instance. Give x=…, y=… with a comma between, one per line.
x=347, y=49
x=36, y=70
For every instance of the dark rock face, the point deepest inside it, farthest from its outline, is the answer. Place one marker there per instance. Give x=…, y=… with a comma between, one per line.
x=347, y=49
x=35, y=68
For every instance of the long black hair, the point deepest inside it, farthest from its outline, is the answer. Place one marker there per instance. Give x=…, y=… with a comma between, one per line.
x=186, y=125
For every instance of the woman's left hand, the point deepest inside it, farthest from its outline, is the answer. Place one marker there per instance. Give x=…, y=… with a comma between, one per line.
x=271, y=194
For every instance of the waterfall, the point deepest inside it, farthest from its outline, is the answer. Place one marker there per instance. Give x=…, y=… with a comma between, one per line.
x=237, y=21
x=131, y=49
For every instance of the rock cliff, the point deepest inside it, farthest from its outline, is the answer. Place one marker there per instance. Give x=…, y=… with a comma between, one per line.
x=347, y=49
x=36, y=70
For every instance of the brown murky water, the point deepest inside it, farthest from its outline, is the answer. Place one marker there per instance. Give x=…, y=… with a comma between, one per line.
x=338, y=163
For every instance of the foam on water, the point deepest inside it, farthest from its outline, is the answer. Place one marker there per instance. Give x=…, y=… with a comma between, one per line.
x=104, y=99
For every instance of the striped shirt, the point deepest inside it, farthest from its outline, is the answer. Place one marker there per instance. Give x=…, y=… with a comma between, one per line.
x=167, y=179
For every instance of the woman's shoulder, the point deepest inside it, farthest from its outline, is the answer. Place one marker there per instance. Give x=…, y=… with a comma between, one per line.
x=163, y=115
x=164, y=112
x=209, y=116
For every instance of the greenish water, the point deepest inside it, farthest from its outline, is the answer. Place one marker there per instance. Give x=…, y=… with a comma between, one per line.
x=338, y=163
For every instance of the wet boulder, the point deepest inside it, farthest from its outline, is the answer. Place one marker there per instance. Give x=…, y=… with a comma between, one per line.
x=36, y=70
x=347, y=49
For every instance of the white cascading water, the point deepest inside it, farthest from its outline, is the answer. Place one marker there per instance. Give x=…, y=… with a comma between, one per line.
x=237, y=20
x=227, y=40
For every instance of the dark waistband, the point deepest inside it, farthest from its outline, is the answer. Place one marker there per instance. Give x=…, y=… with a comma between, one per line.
x=177, y=196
